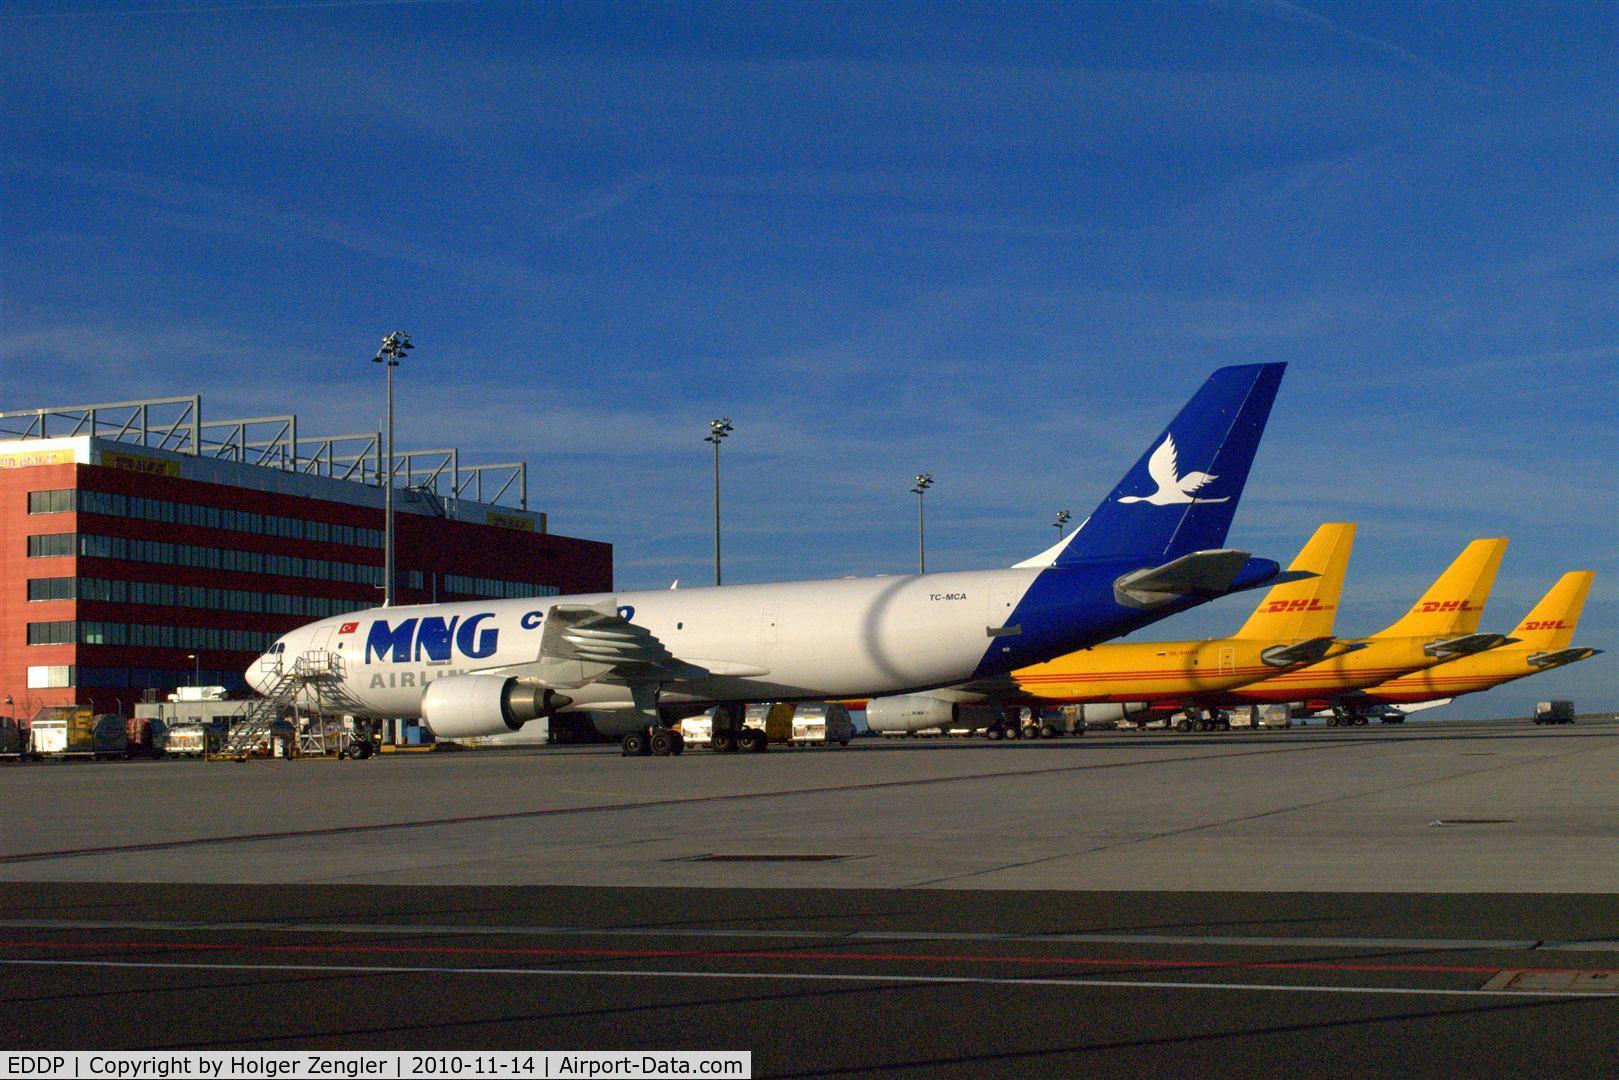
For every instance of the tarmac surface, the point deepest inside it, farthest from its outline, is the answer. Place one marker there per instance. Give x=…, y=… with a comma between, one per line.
x=1436, y=898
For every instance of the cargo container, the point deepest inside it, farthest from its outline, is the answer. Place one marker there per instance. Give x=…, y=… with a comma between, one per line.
x=783, y=722
x=822, y=722
x=1261, y=716
x=193, y=740
x=77, y=731
x=145, y=736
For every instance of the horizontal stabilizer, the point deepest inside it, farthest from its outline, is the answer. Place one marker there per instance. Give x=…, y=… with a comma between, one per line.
x=1450, y=648
x=1303, y=652
x=1423, y=706
x=1202, y=573
x=1561, y=657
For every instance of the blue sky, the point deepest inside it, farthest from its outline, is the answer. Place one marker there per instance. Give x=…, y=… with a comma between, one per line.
x=996, y=244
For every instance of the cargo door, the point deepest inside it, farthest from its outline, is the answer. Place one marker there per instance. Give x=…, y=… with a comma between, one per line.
x=1228, y=660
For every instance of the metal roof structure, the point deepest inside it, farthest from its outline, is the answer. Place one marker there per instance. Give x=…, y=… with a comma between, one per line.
x=176, y=425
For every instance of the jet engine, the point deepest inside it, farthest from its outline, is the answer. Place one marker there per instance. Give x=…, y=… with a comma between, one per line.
x=1102, y=712
x=921, y=712
x=464, y=706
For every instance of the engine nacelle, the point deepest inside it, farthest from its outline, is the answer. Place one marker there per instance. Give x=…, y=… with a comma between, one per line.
x=1105, y=712
x=465, y=706
x=910, y=712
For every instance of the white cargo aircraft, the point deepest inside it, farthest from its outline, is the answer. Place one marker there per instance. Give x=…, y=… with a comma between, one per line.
x=643, y=660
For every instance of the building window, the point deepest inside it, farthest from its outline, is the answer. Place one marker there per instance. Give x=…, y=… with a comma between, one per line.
x=45, y=545
x=495, y=588
x=51, y=633
x=50, y=502
x=51, y=588
x=50, y=676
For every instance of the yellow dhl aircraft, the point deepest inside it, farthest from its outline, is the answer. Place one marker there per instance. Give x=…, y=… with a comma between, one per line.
x=1541, y=643
x=1440, y=628
x=1291, y=627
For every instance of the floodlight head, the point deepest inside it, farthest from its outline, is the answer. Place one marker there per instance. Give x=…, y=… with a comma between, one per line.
x=923, y=482
x=1063, y=517
x=718, y=429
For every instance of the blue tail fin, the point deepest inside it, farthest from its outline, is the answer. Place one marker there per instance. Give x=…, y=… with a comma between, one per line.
x=1181, y=495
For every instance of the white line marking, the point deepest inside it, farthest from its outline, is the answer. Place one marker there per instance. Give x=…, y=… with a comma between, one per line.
x=419, y=929
x=783, y=976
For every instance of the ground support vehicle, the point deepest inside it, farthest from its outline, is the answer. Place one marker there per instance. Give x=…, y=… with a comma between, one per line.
x=1554, y=712
x=15, y=743
x=1034, y=723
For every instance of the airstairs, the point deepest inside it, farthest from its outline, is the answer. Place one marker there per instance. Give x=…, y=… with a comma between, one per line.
x=312, y=682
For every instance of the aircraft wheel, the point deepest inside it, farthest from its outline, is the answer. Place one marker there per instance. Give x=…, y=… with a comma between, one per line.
x=1332, y=721
x=1360, y=721
x=634, y=744
x=1030, y=731
x=1047, y=731
x=752, y=741
x=1183, y=725
x=660, y=745
x=994, y=732
x=723, y=742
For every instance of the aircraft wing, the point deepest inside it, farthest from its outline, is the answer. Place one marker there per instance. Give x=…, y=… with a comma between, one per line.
x=586, y=643
x=1466, y=645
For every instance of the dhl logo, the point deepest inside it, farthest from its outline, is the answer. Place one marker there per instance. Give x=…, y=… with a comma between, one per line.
x=1445, y=605
x=1545, y=624
x=1278, y=606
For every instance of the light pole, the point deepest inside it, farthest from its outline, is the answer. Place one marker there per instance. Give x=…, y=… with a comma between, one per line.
x=1063, y=518
x=196, y=678
x=717, y=431
x=923, y=482
x=394, y=347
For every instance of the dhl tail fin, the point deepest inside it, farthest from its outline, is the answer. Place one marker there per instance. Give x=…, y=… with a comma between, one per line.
x=1550, y=625
x=1455, y=603
x=1299, y=610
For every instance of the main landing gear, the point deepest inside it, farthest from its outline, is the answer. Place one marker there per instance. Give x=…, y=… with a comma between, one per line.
x=654, y=742
x=730, y=737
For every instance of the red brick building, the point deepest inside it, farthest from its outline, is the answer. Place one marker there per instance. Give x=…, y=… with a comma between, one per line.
x=127, y=567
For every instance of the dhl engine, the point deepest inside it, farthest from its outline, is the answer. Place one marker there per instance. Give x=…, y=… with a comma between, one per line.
x=465, y=706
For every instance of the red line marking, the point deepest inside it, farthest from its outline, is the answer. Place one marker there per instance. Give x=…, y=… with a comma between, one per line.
x=755, y=954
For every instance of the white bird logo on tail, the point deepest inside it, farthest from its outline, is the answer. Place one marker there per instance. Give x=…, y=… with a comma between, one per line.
x=1172, y=487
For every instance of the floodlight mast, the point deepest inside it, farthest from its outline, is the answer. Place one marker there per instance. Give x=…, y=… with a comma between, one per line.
x=394, y=348
x=717, y=431
x=923, y=482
